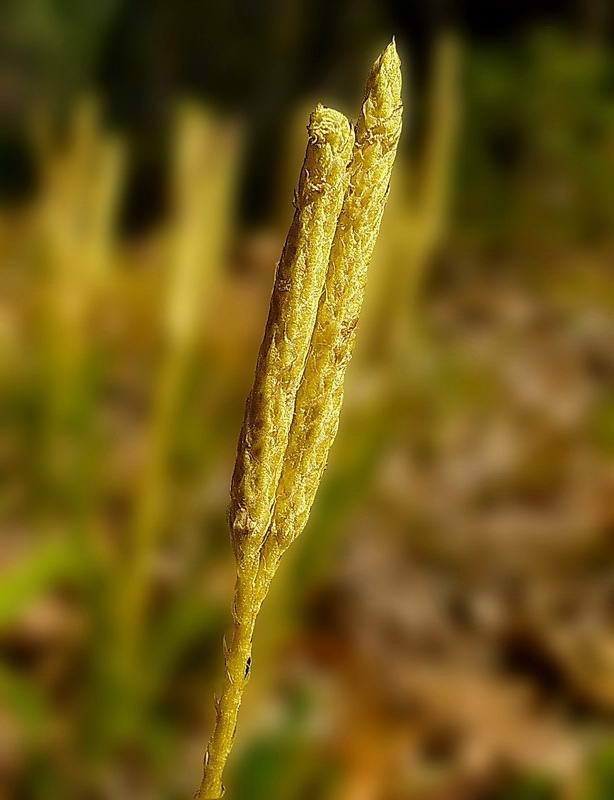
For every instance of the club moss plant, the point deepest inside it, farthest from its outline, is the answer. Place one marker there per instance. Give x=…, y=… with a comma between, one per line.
x=293, y=409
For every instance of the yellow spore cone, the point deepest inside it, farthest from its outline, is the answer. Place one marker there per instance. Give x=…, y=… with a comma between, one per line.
x=294, y=303
x=319, y=398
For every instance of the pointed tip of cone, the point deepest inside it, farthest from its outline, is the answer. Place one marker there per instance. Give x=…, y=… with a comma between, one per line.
x=382, y=105
x=386, y=72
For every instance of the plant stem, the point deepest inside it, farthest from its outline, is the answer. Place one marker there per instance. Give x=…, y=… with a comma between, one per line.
x=293, y=410
x=249, y=594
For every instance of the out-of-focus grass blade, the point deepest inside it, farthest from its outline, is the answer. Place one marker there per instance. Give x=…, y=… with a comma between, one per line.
x=187, y=622
x=600, y=779
x=51, y=562
x=24, y=701
x=531, y=787
x=276, y=765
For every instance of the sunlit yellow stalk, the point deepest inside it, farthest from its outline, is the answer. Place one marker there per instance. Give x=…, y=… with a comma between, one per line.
x=81, y=183
x=293, y=410
x=203, y=182
x=105, y=195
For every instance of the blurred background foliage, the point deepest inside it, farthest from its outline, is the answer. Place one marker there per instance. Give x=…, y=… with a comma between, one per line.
x=444, y=629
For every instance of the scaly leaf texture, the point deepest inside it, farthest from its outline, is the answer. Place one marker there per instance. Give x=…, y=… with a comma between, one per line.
x=320, y=395
x=294, y=304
